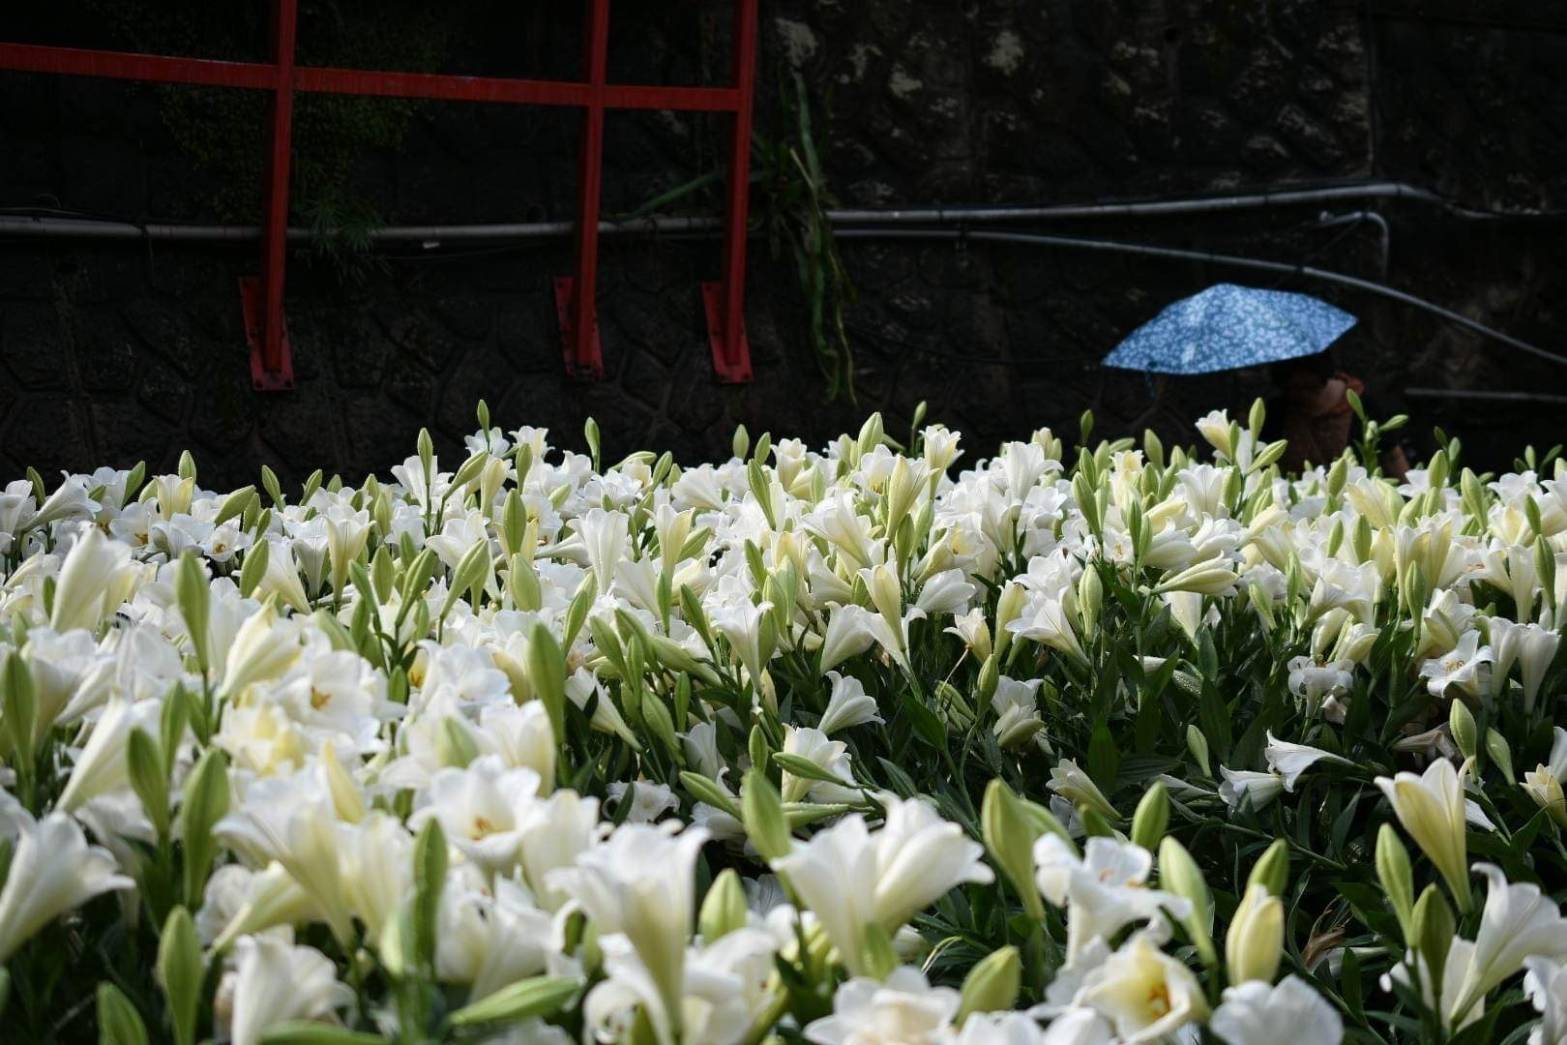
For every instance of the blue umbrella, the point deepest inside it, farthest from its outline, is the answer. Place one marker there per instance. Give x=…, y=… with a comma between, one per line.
x=1228, y=326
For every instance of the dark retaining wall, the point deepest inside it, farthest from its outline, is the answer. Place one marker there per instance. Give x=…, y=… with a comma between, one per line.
x=110, y=353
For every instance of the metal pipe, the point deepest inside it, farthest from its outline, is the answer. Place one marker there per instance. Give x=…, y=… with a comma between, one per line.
x=1152, y=208
x=101, y=229
x=430, y=235
x=1148, y=250
x=1385, y=232
x=1465, y=393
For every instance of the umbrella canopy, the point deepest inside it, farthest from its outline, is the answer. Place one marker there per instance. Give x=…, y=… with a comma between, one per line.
x=1226, y=327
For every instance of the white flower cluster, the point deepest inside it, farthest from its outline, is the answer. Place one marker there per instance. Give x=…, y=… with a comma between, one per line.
x=841, y=745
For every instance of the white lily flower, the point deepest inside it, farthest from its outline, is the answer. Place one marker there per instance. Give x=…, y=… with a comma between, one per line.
x=1463, y=668
x=90, y=581
x=848, y=706
x=1431, y=808
x=1255, y=1013
x=904, y=1010
x=274, y=982
x=1545, y=985
x=482, y=809
x=640, y=882
x=850, y=878
x=1518, y=922
x=1244, y=788
x=53, y=870
x=1291, y=760
x=1105, y=889
x=1144, y=993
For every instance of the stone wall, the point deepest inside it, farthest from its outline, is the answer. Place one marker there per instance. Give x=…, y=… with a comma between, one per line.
x=117, y=353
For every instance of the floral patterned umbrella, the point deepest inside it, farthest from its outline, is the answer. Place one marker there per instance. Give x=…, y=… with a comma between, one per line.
x=1228, y=326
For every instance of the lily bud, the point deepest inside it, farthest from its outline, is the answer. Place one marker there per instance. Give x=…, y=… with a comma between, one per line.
x=1090, y=599
x=989, y=678
x=1272, y=869
x=1197, y=744
x=1152, y=817
x=1179, y=874
x=180, y=971
x=723, y=910
x=1397, y=880
x=205, y=802
x=1461, y=722
x=1210, y=577
x=992, y=984
x=1009, y=833
x=763, y=816
x=1434, y=927
x=1008, y=605
x=547, y=672
x=1501, y=754
x=1255, y=942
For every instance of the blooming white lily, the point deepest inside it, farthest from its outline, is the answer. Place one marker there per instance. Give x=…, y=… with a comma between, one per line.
x=53, y=870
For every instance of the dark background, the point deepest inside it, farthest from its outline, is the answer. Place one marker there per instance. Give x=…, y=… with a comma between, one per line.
x=114, y=353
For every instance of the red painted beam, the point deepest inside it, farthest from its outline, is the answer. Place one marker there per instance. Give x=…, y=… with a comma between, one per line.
x=584, y=354
x=262, y=297
x=154, y=68
x=725, y=303
x=276, y=372
x=118, y=65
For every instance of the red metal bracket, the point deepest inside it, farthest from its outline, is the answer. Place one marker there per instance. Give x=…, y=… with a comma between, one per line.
x=264, y=378
x=579, y=311
x=584, y=355
x=724, y=303
x=731, y=358
x=266, y=330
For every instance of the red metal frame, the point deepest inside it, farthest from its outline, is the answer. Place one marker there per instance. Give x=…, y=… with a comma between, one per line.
x=266, y=328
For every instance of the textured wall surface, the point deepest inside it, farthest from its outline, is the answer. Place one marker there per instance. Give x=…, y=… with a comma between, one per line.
x=117, y=353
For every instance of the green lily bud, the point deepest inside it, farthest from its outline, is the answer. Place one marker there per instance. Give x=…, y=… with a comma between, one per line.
x=205, y=801
x=1461, y=721
x=234, y=505
x=723, y=910
x=547, y=672
x=762, y=813
x=1152, y=816
x=1179, y=874
x=1501, y=754
x=992, y=984
x=989, y=679
x=1272, y=869
x=1090, y=599
x=144, y=763
x=1393, y=871
x=1255, y=942
x=194, y=596
x=254, y=567
x=1434, y=928
x=1009, y=833
x=430, y=862
x=180, y=971
x=1197, y=744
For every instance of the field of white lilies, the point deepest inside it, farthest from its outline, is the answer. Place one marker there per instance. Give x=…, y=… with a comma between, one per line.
x=877, y=743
